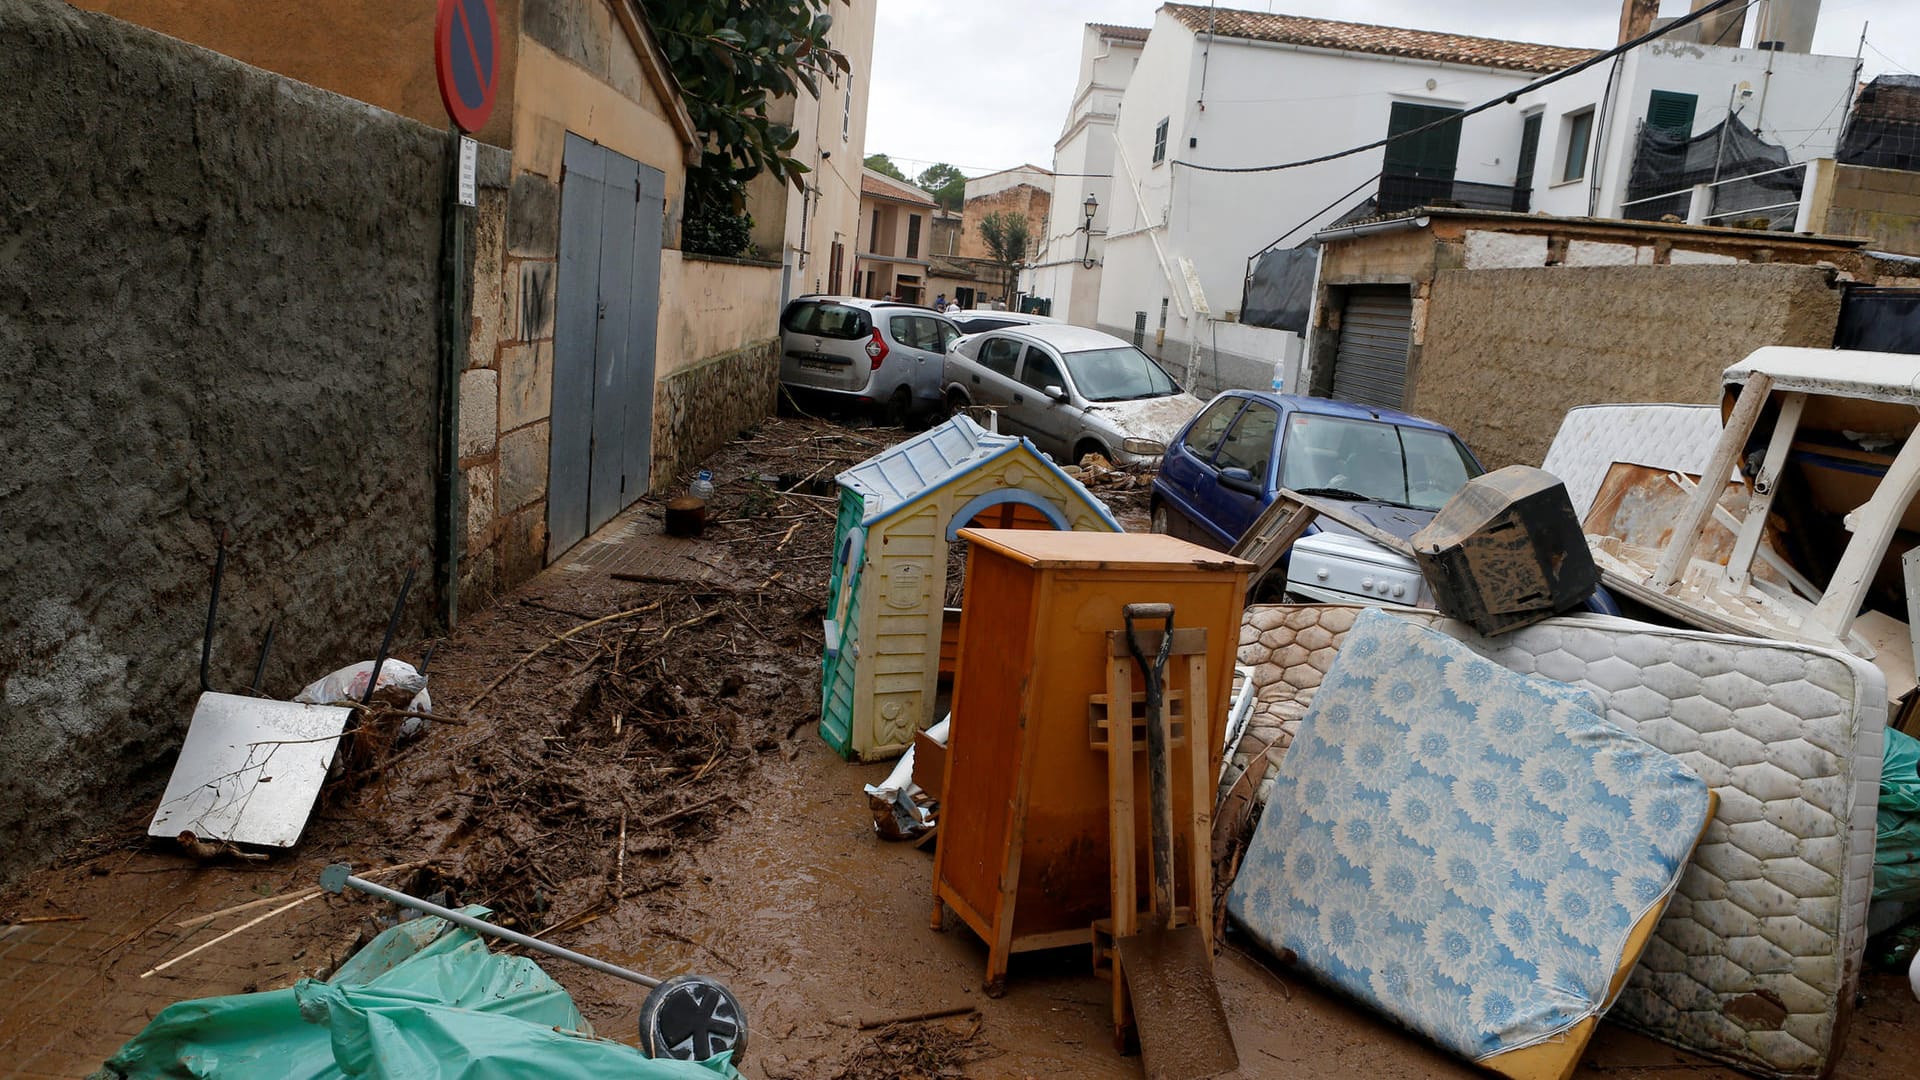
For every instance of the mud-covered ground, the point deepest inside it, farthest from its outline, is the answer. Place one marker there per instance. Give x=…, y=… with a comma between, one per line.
x=636, y=775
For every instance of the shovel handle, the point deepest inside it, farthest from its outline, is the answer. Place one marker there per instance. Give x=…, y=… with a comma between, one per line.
x=1159, y=763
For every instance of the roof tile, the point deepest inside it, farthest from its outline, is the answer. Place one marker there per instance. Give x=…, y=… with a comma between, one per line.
x=1384, y=40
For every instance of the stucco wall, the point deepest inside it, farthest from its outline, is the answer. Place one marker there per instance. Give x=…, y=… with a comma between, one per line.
x=710, y=307
x=1508, y=352
x=219, y=305
x=379, y=51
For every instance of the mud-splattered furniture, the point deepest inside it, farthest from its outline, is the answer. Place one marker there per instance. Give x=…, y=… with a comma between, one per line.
x=899, y=512
x=1024, y=826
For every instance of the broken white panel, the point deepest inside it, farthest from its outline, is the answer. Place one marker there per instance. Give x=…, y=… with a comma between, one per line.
x=250, y=770
x=1194, y=291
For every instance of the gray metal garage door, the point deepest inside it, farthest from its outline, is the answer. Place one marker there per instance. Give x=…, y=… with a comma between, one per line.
x=600, y=453
x=1370, y=365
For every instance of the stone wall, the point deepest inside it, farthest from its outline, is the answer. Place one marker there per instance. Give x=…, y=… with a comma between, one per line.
x=219, y=307
x=698, y=408
x=1508, y=352
x=1881, y=203
x=1024, y=200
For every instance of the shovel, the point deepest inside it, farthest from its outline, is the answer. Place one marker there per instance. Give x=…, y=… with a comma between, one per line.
x=1169, y=970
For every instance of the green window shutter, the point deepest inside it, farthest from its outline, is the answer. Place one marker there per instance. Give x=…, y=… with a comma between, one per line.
x=1668, y=111
x=1431, y=154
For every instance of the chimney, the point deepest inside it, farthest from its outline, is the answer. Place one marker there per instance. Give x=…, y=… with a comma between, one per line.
x=1724, y=27
x=1787, y=25
x=1636, y=18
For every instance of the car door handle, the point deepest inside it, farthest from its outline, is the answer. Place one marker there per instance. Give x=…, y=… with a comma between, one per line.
x=1018, y=400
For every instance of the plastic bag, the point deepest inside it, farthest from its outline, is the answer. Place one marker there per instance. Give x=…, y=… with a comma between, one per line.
x=424, y=1000
x=400, y=686
x=1896, y=856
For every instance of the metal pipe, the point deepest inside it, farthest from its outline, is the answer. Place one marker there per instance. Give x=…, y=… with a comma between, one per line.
x=386, y=643
x=1342, y=232
x=339, y=877
x=260, y=665
x=213, y=607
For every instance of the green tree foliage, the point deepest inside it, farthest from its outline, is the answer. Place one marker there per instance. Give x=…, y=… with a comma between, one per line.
x=947, y=185
x=881, y=163
x=1007, y=239
x=733, y=58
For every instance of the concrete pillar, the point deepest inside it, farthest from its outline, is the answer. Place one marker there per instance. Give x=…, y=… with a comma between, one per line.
x=1816, y=196
x=1636, y=18
x=1700, y=204
x=1724, y=27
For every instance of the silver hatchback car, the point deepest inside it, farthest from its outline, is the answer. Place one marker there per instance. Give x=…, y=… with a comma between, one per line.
x=874, y=354
x=1073, y=391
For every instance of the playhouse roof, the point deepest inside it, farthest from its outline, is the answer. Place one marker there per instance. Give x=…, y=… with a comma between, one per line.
x=896, y=476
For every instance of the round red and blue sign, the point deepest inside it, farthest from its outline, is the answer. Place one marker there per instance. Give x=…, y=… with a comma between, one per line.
x=466, y=54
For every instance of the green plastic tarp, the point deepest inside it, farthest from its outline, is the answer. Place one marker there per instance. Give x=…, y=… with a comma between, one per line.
x=1896, y=855
x=423, y=1001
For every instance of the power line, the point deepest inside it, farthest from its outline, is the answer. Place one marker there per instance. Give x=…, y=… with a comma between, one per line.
x=1903, y=69
x=1508, y=98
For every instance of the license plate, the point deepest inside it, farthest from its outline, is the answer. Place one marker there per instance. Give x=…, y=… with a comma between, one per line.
x=818, y=365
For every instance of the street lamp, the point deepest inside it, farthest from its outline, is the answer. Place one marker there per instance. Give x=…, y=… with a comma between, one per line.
x=1092, y=207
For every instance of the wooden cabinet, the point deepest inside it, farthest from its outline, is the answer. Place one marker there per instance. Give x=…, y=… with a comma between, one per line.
x=1024, y=854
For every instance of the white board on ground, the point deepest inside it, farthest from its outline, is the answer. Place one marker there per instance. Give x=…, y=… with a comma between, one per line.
x=250, y=770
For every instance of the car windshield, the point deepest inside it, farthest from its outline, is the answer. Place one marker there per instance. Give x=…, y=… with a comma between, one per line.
x=1379, y=462
x=1122, y=374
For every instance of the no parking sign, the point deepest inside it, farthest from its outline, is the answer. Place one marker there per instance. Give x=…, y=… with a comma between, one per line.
x=466, y=55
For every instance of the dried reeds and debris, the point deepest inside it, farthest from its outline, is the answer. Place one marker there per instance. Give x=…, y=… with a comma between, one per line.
x=1126, y=489
x=633, y=718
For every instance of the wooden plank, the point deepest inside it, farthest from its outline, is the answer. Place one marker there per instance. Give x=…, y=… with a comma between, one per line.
x=1200, y=820
x=1760, y=496
x=1187, y=640
x=1746, y=413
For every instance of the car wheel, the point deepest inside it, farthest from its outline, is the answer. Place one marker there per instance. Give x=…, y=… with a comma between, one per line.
x=958, y=402
x=1160, y=521
x=898, y=409
x=1090, y=446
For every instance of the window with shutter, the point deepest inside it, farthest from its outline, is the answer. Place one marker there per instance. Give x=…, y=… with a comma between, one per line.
x=1160, y=143
x=1668, y=111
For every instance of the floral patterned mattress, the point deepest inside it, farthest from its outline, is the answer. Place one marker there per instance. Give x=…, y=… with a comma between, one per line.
x=1464, y=848
x=1758, y=957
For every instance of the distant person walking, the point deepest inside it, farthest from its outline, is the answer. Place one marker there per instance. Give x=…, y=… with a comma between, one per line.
x=940, y=303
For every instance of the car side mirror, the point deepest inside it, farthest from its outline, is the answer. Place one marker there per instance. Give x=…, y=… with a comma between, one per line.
x=1057, y=393
x=1238, y=479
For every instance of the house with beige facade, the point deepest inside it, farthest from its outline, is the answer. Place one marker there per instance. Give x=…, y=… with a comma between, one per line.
x=895, y=239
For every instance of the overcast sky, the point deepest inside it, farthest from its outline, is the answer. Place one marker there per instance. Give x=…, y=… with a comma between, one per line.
x=985, y=84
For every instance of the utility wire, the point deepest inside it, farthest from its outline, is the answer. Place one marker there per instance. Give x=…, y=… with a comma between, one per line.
x=1505, y=99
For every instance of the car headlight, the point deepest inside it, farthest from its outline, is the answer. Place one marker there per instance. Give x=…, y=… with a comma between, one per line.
x=1143, y=447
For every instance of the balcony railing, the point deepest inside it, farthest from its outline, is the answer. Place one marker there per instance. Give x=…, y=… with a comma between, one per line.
x=1402, y=193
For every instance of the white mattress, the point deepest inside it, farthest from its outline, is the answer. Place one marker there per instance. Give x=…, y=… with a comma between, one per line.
x=1593, y=437
x=1759, y=955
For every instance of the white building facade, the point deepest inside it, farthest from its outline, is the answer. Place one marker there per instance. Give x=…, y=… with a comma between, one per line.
x=1225, y=89
x=1067, y=264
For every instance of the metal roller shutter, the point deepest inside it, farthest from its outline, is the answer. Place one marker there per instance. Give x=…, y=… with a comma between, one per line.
x=1370, y=365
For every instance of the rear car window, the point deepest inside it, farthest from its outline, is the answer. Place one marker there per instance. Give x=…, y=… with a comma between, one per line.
x=1204, y=437
x=916, y=331
x=1249, y=445
x=827, y=320
x=999, y=354
x=1041, y=370
x=981, y=326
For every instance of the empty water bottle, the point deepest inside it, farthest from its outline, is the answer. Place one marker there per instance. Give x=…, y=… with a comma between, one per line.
x=702, y=486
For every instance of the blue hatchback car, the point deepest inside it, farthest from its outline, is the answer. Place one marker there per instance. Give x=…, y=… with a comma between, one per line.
x=1224, y=467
